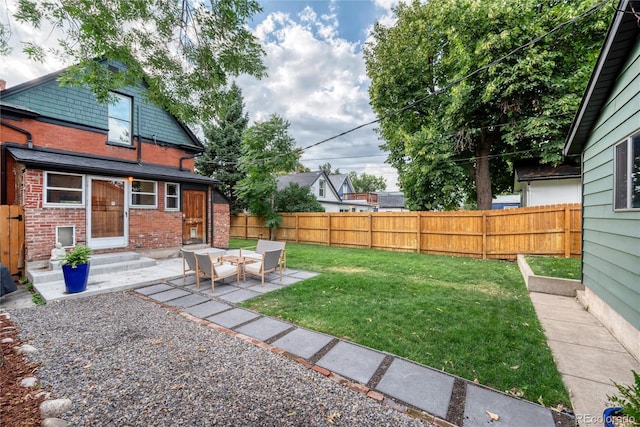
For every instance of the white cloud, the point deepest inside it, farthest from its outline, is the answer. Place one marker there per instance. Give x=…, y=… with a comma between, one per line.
x=317, y=81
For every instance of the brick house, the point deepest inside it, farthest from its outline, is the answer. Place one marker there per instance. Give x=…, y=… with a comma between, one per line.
x=116, y=177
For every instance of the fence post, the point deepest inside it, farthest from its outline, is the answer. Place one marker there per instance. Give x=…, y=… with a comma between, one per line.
x=484, y=235
x=297, y=227
x=246, y=225
x=328, y=229
x=418, y=242
x=567, y=231
x=370, y=232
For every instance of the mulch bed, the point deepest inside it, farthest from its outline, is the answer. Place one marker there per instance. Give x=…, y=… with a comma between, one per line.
x=19, y=406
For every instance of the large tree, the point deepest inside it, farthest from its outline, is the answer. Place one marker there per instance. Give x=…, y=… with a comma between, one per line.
x=184, y=50
x=365, y=183
x=223, y=147
x=459, y=99
x=267, y=151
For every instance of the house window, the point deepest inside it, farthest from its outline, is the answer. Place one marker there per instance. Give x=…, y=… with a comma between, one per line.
x=627, y=174
x=120, y=115
x=171, y=196
x=321, y=190
x=61, y=189
x=144, y=194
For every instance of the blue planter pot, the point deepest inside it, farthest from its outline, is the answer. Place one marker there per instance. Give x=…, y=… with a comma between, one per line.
x=611, y=412
x=75, y=279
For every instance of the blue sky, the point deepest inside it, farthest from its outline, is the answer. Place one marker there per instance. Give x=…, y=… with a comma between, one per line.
x=316, y=77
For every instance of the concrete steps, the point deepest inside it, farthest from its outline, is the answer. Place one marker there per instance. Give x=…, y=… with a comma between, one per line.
x=100, y=264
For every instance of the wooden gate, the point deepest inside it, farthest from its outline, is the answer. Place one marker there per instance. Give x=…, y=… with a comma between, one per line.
x=194, y=218
x=12, y=239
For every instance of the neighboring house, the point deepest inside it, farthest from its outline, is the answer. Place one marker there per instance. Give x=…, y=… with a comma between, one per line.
x=116, y=177
x=541, y=185
x=319, y=185
x=391, y=202
x=506, y=201
x=342, y=183
x=606, y=131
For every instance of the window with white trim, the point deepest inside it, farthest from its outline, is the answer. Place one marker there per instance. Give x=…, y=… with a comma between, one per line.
x=120, y=119
x=627, y=174
x=144, y=194
x=171, y=196
x=63, y=190
x=321, y=189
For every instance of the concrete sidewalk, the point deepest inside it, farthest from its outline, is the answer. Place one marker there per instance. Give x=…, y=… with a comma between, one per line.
x=587, y=355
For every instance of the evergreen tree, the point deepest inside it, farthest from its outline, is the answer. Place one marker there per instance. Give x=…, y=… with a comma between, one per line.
x=223, y=147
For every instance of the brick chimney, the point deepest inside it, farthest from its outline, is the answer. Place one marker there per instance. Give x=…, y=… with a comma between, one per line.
x=3, y=84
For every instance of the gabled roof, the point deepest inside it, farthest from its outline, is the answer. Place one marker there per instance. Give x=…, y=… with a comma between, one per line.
x=303, y=179
x=537, y=172
x=622, y=35
x=38, y=103
x=338, y=179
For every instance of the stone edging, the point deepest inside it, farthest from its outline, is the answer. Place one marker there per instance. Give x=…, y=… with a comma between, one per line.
x=548, y=285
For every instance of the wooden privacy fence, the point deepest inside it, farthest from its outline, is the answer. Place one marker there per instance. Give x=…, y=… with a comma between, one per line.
x=502, y=234
x=12, y=239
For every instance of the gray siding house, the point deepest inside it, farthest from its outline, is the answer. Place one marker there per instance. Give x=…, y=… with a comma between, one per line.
x=606, y=132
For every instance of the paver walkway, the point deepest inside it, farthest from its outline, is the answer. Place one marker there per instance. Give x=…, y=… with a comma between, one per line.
x=405, y=385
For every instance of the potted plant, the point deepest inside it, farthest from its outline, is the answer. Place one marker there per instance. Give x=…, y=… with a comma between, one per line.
x=75, y=268
x=627, y=409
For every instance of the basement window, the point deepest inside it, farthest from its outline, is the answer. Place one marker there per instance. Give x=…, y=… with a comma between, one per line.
x=627, y=174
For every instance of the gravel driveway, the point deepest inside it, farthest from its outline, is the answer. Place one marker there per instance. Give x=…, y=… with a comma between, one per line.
x=128, y=362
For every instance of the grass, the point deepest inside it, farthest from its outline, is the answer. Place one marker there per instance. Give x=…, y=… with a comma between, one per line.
x=471, y=318
x=565, y=268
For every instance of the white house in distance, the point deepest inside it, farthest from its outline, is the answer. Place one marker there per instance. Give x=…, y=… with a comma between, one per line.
x=320, y=186
x=541, y=185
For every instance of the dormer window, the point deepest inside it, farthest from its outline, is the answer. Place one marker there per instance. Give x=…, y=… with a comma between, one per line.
x=120, y=121
x=321, y=190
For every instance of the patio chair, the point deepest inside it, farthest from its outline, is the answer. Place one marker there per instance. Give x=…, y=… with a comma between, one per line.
x=189, y=263
x=209, y=267
x=270, y=262
x=268, y=245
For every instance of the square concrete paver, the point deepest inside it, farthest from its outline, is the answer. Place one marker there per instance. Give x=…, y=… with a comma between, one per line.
x=303, y=342
x=154, y=289
x=263, y=328
x=419, y=386
x=239, y=295
x=232, y=318
x=352, y=361
x=207, y=309
x=512, y=412
x=188, y=300
x=169, y=295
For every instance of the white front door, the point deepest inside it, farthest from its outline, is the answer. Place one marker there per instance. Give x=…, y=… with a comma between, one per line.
x=107, y=213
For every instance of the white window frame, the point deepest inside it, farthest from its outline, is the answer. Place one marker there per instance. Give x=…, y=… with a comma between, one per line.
x=167, y=196
x=623, y=169
x=144, y=193
x=322, y=188
x=129, y=120
x=46, y=188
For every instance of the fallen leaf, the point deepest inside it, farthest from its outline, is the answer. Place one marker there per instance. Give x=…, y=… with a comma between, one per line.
x=87, y=366
x=333, y=416
x=494, y=417
x=156, y=342
x=291, y=414
x=515, y=367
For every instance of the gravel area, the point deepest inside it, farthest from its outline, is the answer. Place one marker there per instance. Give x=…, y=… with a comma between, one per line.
x=127, y=362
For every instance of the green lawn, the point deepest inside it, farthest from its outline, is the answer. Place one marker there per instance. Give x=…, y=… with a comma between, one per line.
x=565, y=268
x=471, y=318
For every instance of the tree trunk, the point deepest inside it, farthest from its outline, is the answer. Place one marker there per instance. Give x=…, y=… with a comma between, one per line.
x=482, y=174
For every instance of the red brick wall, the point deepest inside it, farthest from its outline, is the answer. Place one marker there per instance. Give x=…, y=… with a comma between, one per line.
x=46, y=135
x=221, y=223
